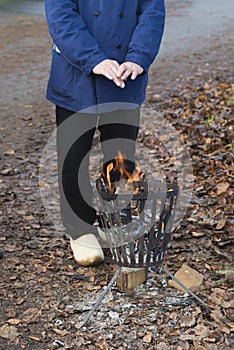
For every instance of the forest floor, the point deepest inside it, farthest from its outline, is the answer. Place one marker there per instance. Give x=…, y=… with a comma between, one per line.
x=191, y=87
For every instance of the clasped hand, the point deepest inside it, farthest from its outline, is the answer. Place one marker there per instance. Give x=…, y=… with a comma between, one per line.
x=116, y=72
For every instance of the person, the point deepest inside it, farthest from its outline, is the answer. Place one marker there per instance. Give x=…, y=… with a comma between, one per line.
x=101, y=54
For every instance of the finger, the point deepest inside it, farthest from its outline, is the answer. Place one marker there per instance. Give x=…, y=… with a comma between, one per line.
x=119, y=82
x=122, y=84
x=134, y=74
x=115, y=64
x=126, y=74
x=108, y=74
x=122, y=68
x=113, y=70
x=110, y=70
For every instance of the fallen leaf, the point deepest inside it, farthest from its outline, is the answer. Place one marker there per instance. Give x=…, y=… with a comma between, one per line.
x=224, y=329
x=9, y=152
x=231, y=325
x=221, y=223
x=13, y=321
x=188, y=321
x=147, y=338
x=27, y=118
x=222, y=187
x=60, y=331
x=41, y=267
x=33, y=244
x=34, y=338
x=31, y=315
x=28, y=217
x=9, y=172
x=43, y=184
x=198, y=234
x=217, y=316
x=8, y=332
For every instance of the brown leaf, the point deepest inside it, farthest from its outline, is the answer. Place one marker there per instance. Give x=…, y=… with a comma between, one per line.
x=79, y=341
x=9, y=248
x=41, y=267
x=28, y=217
x=10, y=312
x=188, y=321
x=224, y=329
x=33, y=244
x=43, y=184
x=8, y=332
x=27, y=118
x=31, y=315
x=20, y=301
x=217, y=316
x=188, y=336
x=34, y=338
x=9, y=152
x=13, y=321
x=231, y=325
x=60, y=331
x=228, y=304
x=198, y=234
x=221, y=223
x=222, y=187
x=199, y=332
x=147, y=338
x=207, y=266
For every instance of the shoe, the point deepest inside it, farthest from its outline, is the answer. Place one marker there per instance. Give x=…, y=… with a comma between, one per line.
x=102, y=234
x=110, y=239
x=87, y=250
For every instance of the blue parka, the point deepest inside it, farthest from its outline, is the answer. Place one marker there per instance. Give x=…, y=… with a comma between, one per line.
x=86, y=32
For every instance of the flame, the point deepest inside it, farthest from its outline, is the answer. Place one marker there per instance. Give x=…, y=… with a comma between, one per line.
x=108, y=170
x=118, y=165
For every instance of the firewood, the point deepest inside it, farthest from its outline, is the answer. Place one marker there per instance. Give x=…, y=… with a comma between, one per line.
x=130, y=278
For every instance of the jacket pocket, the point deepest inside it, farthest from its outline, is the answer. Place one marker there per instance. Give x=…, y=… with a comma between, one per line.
x=62, y=76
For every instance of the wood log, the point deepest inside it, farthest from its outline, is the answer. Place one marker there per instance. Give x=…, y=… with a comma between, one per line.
x=130, y=278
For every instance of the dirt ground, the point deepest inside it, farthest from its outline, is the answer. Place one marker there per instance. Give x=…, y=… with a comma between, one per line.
x=40, y=304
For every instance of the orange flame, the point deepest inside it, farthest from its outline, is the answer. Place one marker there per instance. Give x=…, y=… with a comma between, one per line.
x=131, y=178
x=108, y=170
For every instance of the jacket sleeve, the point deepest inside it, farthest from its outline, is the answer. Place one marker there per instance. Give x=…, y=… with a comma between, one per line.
x=146, y=39
x=71, y=36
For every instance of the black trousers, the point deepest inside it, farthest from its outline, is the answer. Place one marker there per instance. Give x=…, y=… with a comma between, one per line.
x=75, y=131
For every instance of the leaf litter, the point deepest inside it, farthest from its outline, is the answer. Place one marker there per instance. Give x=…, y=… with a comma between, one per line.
x=43, y=292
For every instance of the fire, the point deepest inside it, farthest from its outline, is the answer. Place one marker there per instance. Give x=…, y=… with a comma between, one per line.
x=116, y=178
x=116, y=171
x=109, y=168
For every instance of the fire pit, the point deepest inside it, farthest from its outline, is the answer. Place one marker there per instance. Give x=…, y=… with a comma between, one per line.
x=137, y=227
x=135, y=216
x=135, y=219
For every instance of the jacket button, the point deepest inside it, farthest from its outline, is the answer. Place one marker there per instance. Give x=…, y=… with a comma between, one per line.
x=97, y=14
x=121, y=14
x=118, y=46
